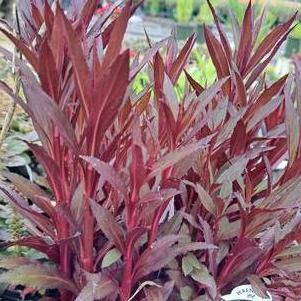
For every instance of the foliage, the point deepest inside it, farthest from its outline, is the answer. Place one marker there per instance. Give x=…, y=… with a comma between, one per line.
x=152, y=6
x=184, y=10
x=296, y=33
x=156, y=194
x=204, y=14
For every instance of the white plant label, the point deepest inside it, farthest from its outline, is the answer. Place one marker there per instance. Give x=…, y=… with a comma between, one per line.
x=245, y=293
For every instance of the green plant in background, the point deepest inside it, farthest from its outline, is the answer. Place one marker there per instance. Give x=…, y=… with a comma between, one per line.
x=296, y=32
x=153, y=7
x=269, y=22
x=204, y=14
x=170, y=3
x=140, y=82
x=184, y=10
x=237, y=9
x=203, y=70
x=11, y=228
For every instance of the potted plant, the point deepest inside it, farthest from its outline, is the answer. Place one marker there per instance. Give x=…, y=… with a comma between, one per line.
x=184, y=11
x=153, y=196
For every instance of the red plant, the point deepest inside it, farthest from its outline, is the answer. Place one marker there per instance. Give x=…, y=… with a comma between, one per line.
x=142, y=182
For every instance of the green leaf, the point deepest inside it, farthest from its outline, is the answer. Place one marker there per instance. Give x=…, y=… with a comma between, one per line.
x=37, y=276
x=187, y=268
x=206, y=199
x=203, y=276
x=15, y=146
x=108, y=225
x=186, y=292
x=111, y=257
x=189, y=263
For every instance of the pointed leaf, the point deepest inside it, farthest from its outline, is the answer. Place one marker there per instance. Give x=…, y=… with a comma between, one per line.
x=178, y=155
x=38, y=276
x=115, y=42
x=180, y=62
x=97, y=289
x=108, y=225
x=108, y=173
x=81, y=70
x=110, y=258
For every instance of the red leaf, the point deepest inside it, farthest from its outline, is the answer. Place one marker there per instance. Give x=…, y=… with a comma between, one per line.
x=238, y=141
x=38, y=102
x=37, y=16
x=161, y=252
x=110, y=90
x=180, y=62
x=195, y=85
x=148, y=56
x=174, y=157
x=245, y=43
x=86, y=13
x=108, y=225
x=108, y=173
x=292, y=123
x=51, y=168
x=265, y=97
x=80, y=67
x=47, y=71
x=23, y=48
x=31, y=191
x=37, y=243
x=269, y=42
x=138, y=172
x=218, y=57
x=225, y=42
x=40, y=221
x=115, y=42
x=48, y=16
x=241, y=89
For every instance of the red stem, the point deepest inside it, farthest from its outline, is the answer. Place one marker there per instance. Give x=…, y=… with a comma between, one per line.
x=63, y=225
x=88, y=229
x=126, y=286
x=88, y=224
x=65, y=262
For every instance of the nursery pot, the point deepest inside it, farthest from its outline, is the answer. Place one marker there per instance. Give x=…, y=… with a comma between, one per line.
x=293, y=46
x=184, y=31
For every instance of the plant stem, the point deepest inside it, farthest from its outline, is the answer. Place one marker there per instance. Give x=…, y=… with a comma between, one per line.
x=126, y=285
x=87, y=257
x=88, y=224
